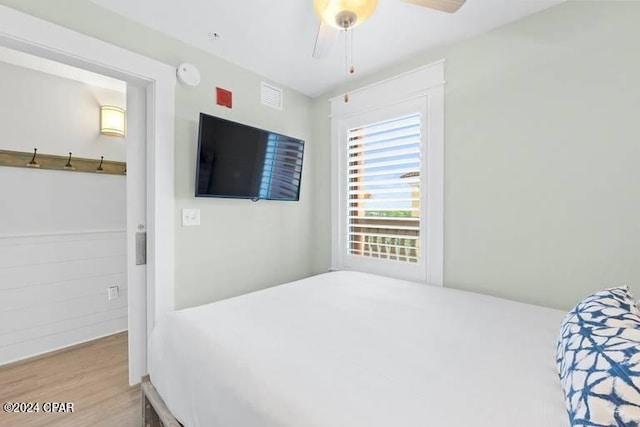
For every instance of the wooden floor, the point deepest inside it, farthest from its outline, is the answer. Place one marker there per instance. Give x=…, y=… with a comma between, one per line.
x=93, y=376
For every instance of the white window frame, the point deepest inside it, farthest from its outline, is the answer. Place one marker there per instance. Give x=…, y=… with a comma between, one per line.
x=420, y=90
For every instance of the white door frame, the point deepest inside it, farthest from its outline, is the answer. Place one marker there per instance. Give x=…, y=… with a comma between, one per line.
x=136, y=222
x=32, y=35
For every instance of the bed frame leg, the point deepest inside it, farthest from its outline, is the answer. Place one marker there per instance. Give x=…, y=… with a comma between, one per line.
x=154, y=412
x=149, y=416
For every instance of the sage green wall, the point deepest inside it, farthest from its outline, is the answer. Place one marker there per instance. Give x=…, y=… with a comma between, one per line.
x=241, y=246
x=542, y=155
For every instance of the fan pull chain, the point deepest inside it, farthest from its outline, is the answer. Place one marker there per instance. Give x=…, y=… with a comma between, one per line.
x=348, y=60
x=346, y=65
x=351, y=68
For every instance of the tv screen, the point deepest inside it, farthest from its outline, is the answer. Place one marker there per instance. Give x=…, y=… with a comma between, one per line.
x=240, y=161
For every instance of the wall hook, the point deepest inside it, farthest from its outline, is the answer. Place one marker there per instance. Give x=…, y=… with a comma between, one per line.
x=33, y=163
x=42, y=161
x=69, y=166
x=100, y=170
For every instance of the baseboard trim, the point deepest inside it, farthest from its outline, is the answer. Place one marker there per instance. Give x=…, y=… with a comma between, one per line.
x=13, y=363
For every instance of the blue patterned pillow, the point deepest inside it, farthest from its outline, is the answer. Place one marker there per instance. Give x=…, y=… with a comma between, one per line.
x=598, y=357
x=609, y=307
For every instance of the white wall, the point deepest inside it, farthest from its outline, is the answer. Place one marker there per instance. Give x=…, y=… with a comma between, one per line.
x=541, y=155
x=54, y=291
x=62, y=233
x=55, y=115
x=50, y=202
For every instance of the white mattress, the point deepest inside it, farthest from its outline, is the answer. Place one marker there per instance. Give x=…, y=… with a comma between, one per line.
x=353, y=349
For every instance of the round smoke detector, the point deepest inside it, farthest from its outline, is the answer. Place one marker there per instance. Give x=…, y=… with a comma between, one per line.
x=188, y=75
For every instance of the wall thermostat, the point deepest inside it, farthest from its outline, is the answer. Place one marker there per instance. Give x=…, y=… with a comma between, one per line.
x=188, y=75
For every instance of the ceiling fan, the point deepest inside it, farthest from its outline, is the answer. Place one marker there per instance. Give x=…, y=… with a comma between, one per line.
x=342, y=15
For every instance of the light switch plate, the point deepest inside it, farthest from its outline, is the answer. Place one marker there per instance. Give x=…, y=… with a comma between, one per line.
x=190, y=217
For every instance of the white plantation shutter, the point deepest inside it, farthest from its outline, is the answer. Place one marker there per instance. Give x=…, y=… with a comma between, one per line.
x=383, y=179
x=387, y=177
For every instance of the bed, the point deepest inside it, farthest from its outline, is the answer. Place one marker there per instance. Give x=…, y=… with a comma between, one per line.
x=354, y=349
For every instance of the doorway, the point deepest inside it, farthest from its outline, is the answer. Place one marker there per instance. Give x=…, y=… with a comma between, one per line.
x=63, y=229
x=156, y=81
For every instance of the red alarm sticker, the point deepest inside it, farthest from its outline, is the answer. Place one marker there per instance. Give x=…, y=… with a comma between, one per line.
x=224, y=97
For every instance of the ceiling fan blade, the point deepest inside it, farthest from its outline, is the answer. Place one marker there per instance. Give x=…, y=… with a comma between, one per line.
x=325, y=40
x=449, y=6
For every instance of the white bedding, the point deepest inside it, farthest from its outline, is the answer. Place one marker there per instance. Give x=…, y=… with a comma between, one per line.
x=353, y=349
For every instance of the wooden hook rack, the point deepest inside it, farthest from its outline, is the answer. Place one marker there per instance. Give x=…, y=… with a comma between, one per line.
x=36, y=160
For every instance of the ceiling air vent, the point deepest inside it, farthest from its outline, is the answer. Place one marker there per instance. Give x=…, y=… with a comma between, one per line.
x=271, y=96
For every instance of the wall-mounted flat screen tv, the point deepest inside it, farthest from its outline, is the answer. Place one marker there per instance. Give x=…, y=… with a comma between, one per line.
x=240, y=161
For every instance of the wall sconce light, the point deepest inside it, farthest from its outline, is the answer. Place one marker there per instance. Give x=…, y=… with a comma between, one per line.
x=112, y=121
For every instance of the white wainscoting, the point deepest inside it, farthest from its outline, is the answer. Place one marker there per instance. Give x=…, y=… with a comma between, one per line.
x=53, y=290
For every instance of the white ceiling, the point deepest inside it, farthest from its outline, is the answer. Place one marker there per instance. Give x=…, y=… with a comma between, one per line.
x=275, y=38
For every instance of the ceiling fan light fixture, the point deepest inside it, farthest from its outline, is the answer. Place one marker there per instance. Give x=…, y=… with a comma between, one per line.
x=344, y=14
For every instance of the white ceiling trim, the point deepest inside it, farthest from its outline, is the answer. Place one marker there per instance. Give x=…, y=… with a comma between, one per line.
x=47, y=66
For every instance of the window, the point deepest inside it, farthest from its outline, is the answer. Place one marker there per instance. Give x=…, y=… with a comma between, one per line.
x=388, y=177
x=383, y=189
